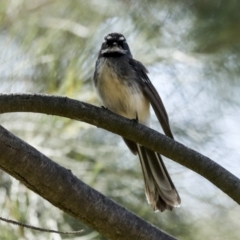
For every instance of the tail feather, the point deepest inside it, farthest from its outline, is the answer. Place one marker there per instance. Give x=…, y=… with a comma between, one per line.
x=160, y=190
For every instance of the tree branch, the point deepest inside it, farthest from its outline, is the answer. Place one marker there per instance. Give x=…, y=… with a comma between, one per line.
x=60, y=187
x=65, y=107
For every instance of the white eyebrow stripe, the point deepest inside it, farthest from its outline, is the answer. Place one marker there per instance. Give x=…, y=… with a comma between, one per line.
x=109, y=37
x=122, y=38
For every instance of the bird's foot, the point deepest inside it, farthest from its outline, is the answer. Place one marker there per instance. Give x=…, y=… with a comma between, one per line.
x=104, y=108
x=135, y=120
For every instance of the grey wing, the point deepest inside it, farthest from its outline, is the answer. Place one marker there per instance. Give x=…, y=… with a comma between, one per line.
x=153, y=96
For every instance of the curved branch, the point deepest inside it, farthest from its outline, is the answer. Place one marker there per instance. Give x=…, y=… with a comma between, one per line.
x=65, y=107
x=60, y=187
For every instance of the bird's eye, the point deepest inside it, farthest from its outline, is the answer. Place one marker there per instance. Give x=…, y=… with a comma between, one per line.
x=111, y=42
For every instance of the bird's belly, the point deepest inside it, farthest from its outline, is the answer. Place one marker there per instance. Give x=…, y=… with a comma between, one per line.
x=123, y=98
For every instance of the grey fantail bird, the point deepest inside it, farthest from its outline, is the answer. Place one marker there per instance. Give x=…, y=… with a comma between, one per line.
x=125, y=89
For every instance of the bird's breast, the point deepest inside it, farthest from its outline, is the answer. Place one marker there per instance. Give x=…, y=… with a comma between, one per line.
x=121, y=93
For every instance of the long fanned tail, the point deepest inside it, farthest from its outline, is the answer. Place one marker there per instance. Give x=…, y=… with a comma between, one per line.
x=160, y=190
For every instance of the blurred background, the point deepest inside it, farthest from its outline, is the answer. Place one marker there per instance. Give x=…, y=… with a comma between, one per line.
x=191, y=49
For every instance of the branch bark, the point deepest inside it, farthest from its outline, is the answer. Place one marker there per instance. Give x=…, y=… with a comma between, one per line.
x=60, y=187
x=65, y=107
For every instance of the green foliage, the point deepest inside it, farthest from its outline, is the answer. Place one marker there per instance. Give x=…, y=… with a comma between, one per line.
x=217, y=25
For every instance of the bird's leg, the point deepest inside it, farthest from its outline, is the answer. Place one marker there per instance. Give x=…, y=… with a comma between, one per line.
x=135, y=120
x=104, y=108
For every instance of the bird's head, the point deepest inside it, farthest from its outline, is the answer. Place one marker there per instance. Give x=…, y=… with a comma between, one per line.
x=115, y=44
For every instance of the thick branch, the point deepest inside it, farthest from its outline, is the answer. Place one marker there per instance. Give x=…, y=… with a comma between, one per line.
x=65, y=107
x=60, y=187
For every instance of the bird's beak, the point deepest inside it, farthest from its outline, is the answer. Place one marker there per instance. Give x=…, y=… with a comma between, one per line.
x=114, y=48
